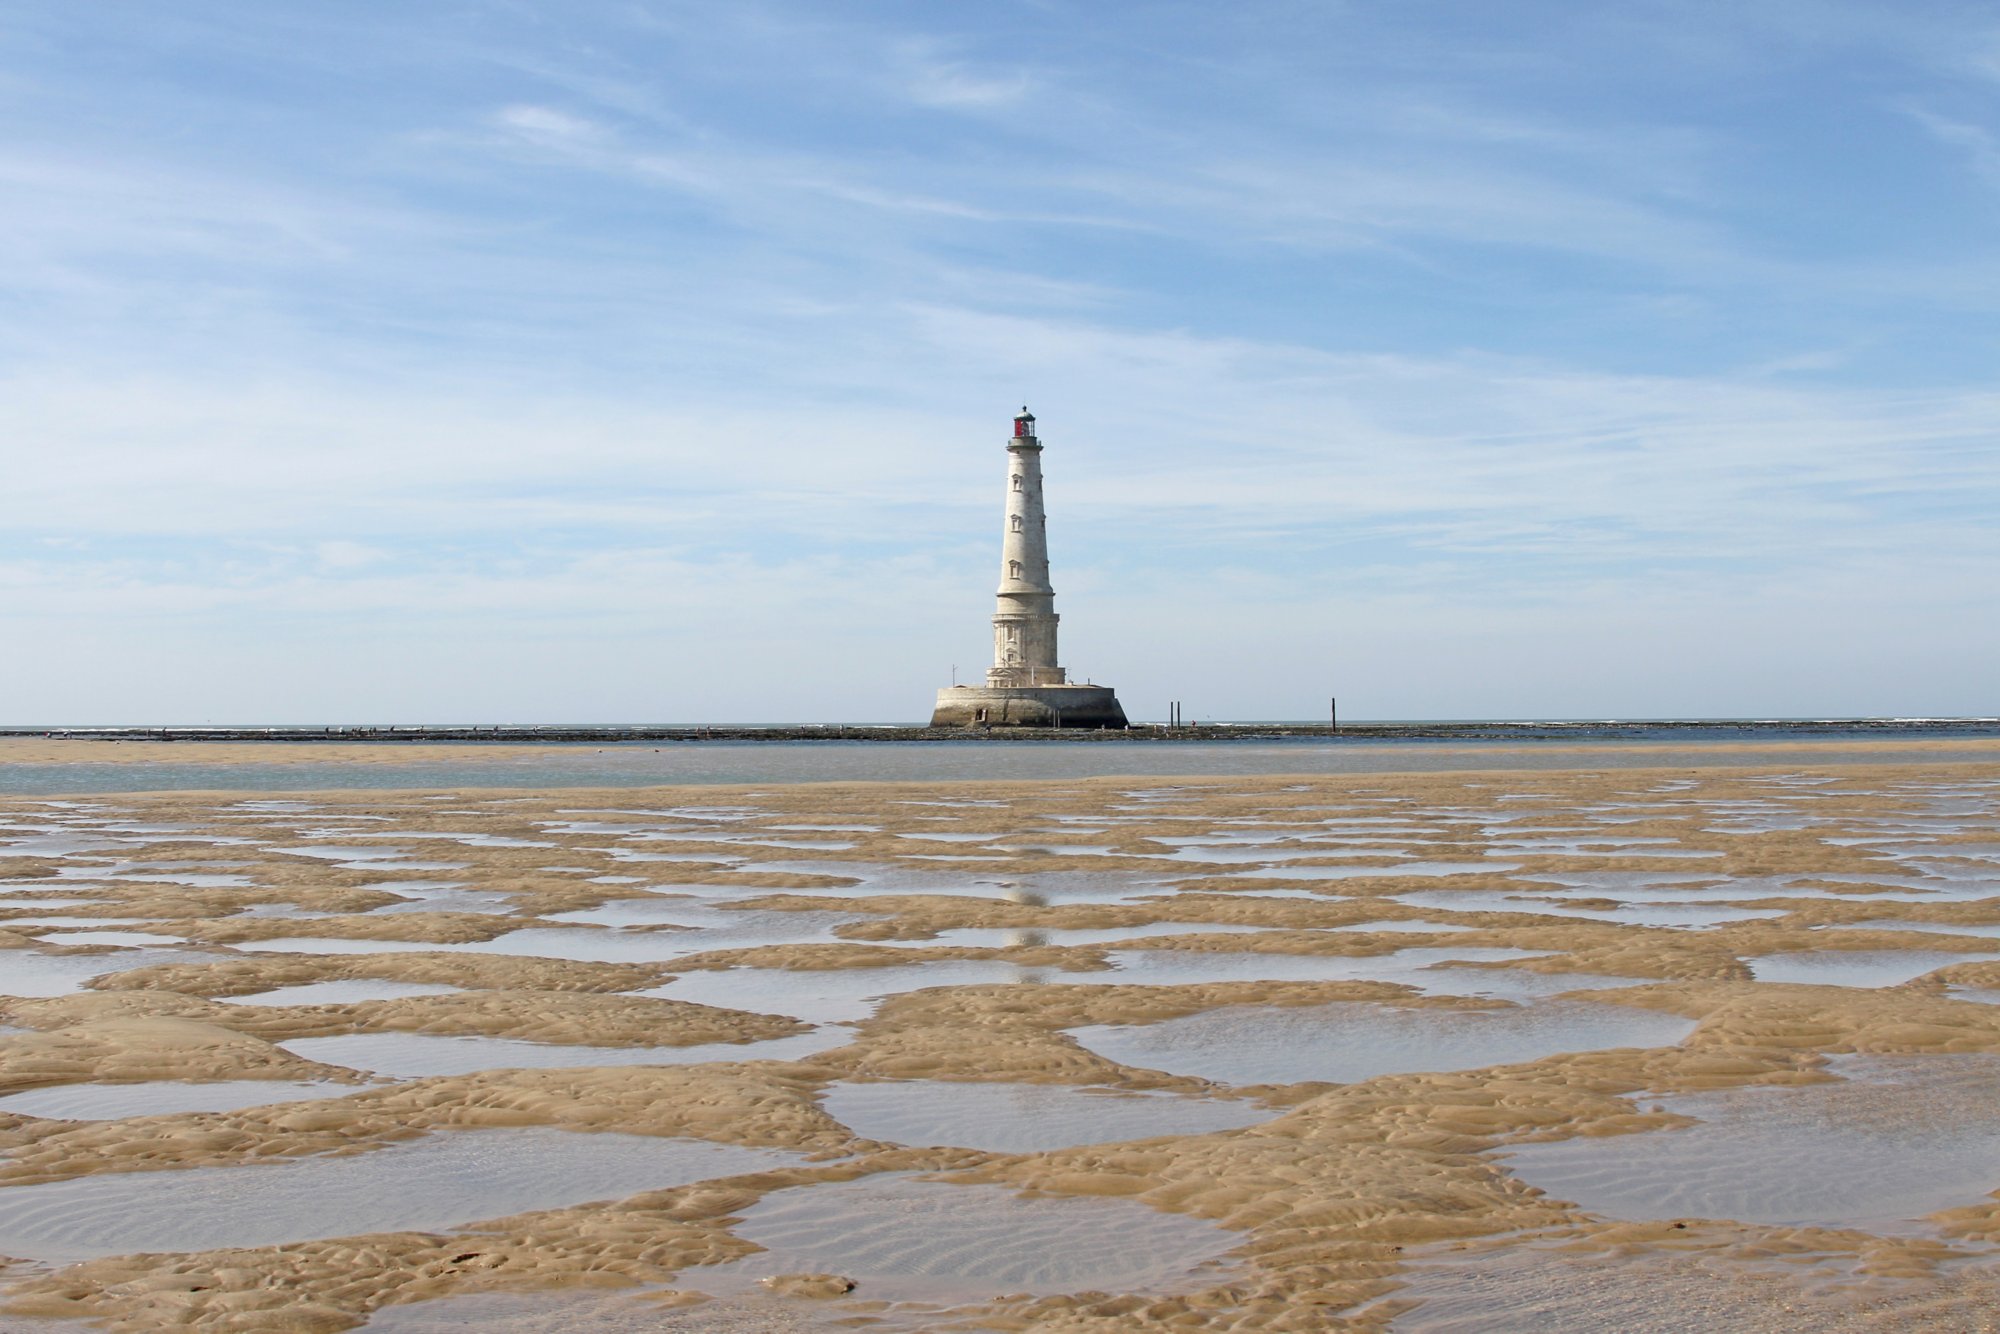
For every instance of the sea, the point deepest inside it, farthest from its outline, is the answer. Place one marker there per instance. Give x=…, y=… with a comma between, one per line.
x=1237, y=752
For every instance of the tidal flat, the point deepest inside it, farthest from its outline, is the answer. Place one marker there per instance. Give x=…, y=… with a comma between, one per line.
x=1551, y=1048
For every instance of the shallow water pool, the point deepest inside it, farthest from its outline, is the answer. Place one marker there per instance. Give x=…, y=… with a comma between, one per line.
x=1024, y=1118
x=1000, y=937
x=1403, y=869
x=1347, y=1042
x=838, y=995
x=1850, y=968
x=1640, y=912
x=30, y=973
x=344, y=991
x=901, y=1238
x=427, y=1055
x=433, y=1183
x=162, y=1097
x=1425, y=968
x=1898, y=1137
x=110, y=938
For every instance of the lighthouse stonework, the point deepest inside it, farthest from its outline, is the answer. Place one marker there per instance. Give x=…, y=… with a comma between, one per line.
x=1025, y=687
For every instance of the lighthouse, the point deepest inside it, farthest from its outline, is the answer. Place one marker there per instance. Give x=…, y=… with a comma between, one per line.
x=1026, y=686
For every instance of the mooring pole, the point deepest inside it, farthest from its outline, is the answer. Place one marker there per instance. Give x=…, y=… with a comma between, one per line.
x=1333, y=707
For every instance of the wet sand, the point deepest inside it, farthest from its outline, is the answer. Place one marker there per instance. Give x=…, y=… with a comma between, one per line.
x=1353, y=1036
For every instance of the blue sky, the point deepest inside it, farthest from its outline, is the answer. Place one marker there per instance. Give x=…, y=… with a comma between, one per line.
x=642, y=360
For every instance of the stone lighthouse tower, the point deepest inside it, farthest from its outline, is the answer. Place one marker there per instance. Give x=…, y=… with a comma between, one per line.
x=1025, y=686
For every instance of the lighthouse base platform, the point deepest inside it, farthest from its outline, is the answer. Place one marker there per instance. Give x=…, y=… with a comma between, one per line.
x=1028, y=706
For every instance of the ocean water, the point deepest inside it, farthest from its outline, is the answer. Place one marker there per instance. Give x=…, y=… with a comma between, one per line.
x=637, y=764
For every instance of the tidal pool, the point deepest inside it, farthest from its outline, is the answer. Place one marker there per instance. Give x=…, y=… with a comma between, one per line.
x=426, y=1055
x=1850, y=968
x=461, y=837
x=1404, y=925
x=147, y=873
x=709, y=927
x=1425, y=968
x=998, y=937
x=1080, y=886
x=1024, y=1118
x=571, y=1310
x=902, y=1239
x=1599, y=844
x=447, y=898
x=1988, y=929
x=1548, y=903
x=345, y=991
x=26, y=923
x=834, y=995
x=1551, y=1290
x=1871, y=889
x=162, y=1097
x=1350, y=1041
x=837, y=995
x=429, y=1184
x=1623, y=884
x=344, y=853
x=718, y=931
x=594, y=944
x=1896, y=1138
x=110, y=938
x=30, y=973
x=1399, y=870
x=1236, y=853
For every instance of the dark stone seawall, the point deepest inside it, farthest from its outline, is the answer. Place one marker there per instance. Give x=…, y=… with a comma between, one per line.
x=1033, y=707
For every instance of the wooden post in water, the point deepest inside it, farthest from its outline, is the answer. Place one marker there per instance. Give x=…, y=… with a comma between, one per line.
x=1333, y=707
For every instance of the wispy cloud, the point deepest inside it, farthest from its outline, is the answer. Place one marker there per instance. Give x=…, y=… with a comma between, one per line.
x=937, y=78
x=1977, y=145
x=548, y=126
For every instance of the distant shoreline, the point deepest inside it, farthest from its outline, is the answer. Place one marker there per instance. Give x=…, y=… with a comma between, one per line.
x=1677, y=730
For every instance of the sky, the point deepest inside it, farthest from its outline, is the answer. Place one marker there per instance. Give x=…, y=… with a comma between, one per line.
x=649, y=361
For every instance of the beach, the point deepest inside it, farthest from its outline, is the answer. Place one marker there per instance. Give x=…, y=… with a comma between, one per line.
x=1551, y=1038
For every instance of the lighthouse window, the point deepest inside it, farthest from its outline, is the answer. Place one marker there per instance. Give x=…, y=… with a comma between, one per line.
x=1013, y=633
x=1017, y=481
x=1013, y=569
x=1015, y=523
